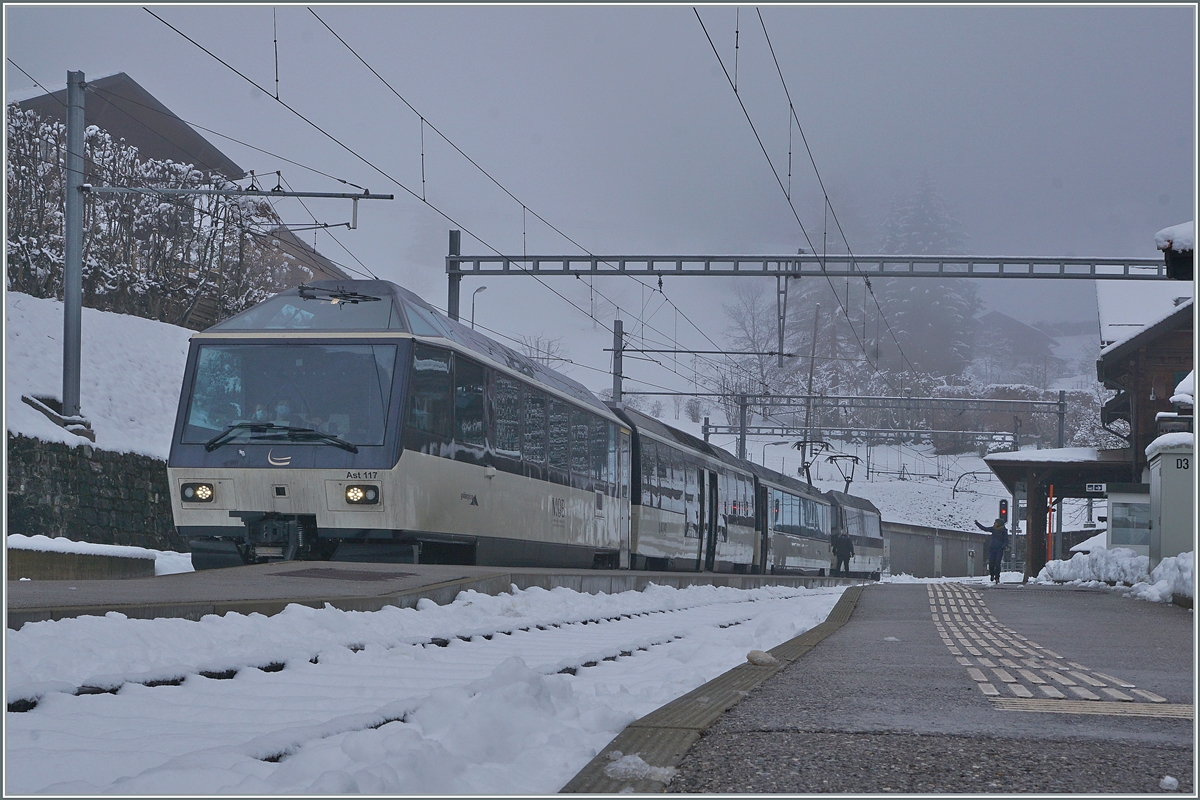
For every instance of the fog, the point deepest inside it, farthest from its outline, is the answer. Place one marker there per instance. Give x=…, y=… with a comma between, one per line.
x=1047, y=131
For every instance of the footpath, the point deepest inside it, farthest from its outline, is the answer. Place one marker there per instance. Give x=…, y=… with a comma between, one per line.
x=958, y=688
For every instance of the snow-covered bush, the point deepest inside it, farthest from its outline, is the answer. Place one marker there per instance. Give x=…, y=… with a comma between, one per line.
x=148, y=255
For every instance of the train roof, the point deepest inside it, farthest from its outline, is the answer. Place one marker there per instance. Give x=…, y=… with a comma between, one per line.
x=787, y=482
x=375, y=306
x=852, y=501
x=684, y=439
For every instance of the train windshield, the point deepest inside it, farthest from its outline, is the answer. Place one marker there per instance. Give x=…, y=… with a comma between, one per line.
x=251, y=391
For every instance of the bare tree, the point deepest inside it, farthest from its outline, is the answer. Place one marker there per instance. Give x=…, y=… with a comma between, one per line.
x=547, y=351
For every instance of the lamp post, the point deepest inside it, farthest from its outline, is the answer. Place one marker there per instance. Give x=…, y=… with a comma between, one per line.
x=764, y=450
x=477, y=291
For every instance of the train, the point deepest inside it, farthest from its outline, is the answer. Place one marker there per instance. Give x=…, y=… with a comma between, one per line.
x=351, y=421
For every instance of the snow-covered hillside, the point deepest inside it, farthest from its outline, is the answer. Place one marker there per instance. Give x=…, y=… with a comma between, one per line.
x=131, y=370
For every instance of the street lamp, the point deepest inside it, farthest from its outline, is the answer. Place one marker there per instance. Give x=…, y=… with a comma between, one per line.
x=764, y=450
x=477, y=291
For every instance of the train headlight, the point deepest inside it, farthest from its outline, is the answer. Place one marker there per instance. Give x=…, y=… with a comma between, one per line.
x=364, y=495
x=197, y=492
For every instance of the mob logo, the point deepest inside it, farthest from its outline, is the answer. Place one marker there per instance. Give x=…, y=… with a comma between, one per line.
x=282, y=461
x=558, y=507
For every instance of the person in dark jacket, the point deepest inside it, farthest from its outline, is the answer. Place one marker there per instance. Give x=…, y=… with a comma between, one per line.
x=996, y=545
x=843, y=550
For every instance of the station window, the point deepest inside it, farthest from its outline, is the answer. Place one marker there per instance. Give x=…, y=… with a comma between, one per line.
x=469, y=385
x=535, y=426
x=1130, y=524
x=560, y=435
x=507, y=405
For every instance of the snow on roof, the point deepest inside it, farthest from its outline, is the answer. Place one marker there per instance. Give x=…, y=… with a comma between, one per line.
x=1059, y=455
x=1126, y=307
x=1177, y=237
x=1170, y=440
x=1097, y=542
x=1132, y=332
x=1184, y=392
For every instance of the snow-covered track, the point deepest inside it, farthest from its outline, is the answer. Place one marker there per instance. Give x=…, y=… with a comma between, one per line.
x=537, y=671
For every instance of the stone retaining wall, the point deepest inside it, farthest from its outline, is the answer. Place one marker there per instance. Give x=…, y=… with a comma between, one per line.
x=88, y=494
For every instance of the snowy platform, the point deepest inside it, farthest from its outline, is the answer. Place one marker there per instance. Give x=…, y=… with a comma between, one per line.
x=269, y=588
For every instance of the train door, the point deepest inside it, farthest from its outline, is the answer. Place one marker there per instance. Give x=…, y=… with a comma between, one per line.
x=623, y=496
x=713, y=509
x=760, y=526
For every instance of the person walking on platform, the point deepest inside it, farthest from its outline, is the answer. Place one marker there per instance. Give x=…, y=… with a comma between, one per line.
x=996, y=546
x=843, y=550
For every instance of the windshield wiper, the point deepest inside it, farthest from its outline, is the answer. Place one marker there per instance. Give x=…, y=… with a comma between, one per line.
x=224, y=436
x=339, y=295
x=293, y=433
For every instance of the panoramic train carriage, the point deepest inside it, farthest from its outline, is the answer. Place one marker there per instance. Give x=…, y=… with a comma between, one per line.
x=351, y=420
x=861, y=519
x=794, y=522
x=692, y=504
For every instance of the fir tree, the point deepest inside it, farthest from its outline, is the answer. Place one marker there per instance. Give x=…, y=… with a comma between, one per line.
x=933, y=318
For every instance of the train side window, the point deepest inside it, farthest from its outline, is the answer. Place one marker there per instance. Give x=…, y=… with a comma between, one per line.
x=598, y=436
x=469, y=381
x=649, y=473
x=580, y=433
x=535, y=426
x=614, y=475
x=560, y=435
x=674, y=481
x=507, y=408
x=429, y=408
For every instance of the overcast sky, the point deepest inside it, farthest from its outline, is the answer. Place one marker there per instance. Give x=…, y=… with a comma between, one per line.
x=1048, y=131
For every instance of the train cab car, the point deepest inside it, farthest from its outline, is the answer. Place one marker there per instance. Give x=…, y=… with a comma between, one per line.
x=692, y=504
x=861, y=519
x=349, y=419
x=795, y=523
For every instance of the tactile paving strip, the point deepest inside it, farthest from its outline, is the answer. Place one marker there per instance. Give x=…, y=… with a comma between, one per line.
x=1018, y=674
x=662, y=737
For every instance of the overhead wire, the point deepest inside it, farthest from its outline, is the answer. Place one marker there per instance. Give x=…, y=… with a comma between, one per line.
x=366, y=161
x=784, y=189
x=821, y=183
x=524, y=207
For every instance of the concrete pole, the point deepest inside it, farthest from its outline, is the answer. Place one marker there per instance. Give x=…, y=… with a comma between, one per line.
x=455, y=278
x=705, y=429
x=73, y=247
x=618, y=346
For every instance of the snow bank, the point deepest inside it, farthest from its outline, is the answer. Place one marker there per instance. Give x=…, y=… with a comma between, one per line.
x=1177, y=237
x=165, y=562
x=1185, y=393
x=1119, y=565
x=131, y=370
x=1178, y=439
x=1173, y=576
